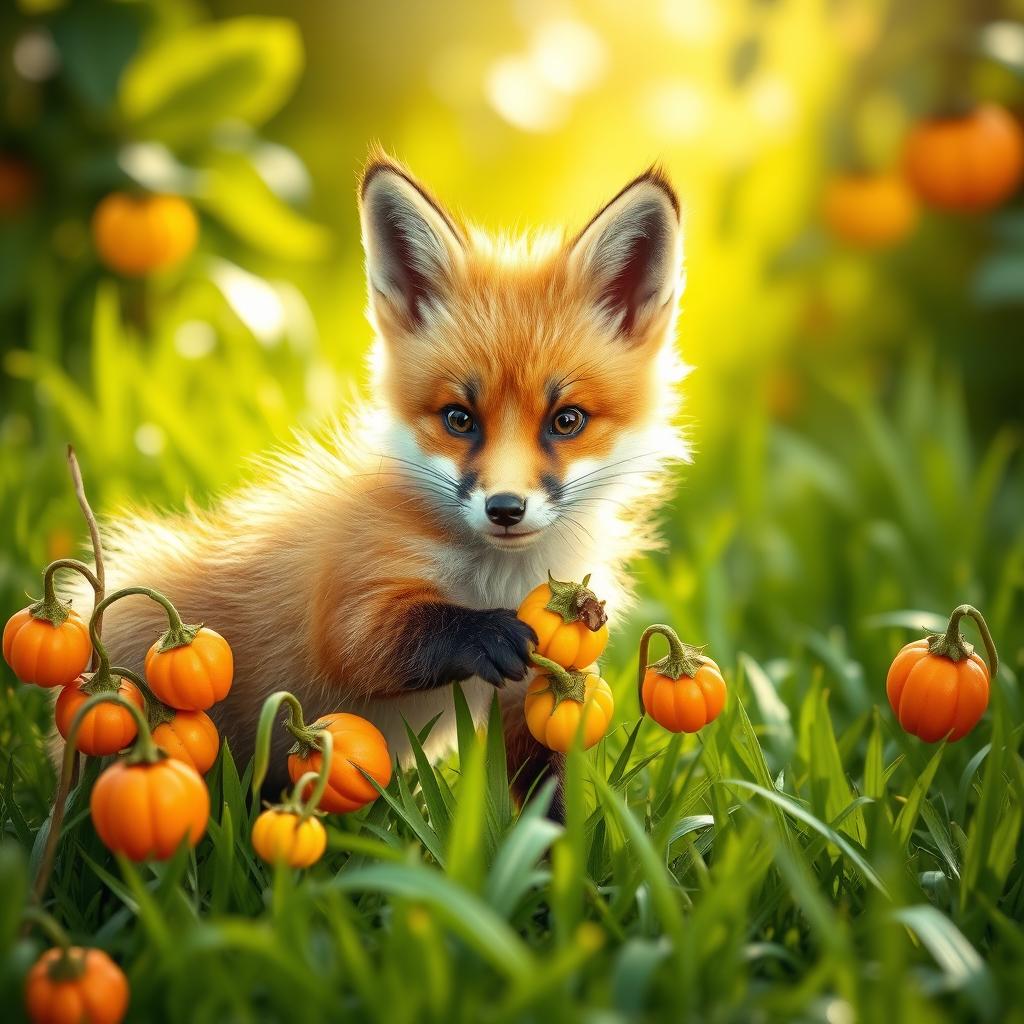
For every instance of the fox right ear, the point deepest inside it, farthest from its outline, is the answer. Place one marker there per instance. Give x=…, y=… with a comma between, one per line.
x=413, y=248
x=630, y=255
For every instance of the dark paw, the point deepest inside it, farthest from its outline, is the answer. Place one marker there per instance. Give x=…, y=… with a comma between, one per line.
x=499, y=646
x=451, y=643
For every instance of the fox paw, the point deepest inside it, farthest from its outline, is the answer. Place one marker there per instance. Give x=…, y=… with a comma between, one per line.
x=497, y=646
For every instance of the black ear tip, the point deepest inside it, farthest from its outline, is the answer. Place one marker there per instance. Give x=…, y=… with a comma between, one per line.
x=657, y=175
x=379, y=163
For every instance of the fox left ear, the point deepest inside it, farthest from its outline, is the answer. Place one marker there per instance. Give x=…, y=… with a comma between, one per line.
x=413, y=248
x=630, y=255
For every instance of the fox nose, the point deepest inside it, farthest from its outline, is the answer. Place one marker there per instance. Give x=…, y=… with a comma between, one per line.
x=505, y=509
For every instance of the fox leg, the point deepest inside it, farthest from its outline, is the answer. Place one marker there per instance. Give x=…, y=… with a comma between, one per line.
x=529, y=763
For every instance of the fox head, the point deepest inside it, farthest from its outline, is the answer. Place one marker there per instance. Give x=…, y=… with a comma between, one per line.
x=530, y=382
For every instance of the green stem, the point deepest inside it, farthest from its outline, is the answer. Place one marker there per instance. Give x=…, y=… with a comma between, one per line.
x=295, y=724
x=50, y=607
x=175, y=625
x=952, y=645
x=566, y=684
x=47, y=923
x=326, y=743
x=68, y=563
x=147, y=752
x=681, y=658
x=157, y=712
x=552, y=668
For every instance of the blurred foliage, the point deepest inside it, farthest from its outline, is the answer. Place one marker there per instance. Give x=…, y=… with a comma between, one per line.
x=856, y=419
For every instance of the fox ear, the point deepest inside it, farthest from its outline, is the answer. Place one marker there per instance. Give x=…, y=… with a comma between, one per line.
x=413, y=248
x=630, y=255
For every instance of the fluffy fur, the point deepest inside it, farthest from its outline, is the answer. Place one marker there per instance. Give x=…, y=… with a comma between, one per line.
x=318, y=571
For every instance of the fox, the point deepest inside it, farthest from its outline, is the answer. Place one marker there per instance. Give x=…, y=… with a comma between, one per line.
x=521, y=420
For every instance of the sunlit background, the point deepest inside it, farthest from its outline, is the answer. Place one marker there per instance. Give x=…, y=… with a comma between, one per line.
x=856, y=354
x=181, y=287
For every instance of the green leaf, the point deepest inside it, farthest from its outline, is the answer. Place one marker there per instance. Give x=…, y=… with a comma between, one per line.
x=499, y=800
x=241, y=69
x=794, y=810
x=233, y=193
x=874, y=764
x=999, y=281
x=96, y=41
x=773, y=711
x=750, y=752
x=223, y=838
x=828, y=778
x=663, y=892
x=635, y=965
x=907, y=818
x=940, y=835
x=14, y=886
x=467, y=916
x=981, y=832
x=511, y=874
x=959, y=961
x=466, y=846
x=465, y=727
x=408, y=812
x=440, y=817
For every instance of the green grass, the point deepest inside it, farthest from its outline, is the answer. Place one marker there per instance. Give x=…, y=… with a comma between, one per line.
x=800, y=859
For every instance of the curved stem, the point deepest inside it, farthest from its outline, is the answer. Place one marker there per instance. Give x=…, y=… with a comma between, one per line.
x=953, y=636
x=566, y=683
x=677, y=653
x=149, y=751
x=326, y=743
x=553, y=669
x=156, y=710
x=50, y=607
x=295, y=725
x=173, y=618
x=49, y=593
x=47, y=923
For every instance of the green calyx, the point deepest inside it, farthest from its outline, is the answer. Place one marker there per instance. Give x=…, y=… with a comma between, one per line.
x=158, y=713
x=576, y=602
x=684, y=662
x=178, y=635
x=952, y=644
x=307, y=738
x=69, y=966
x=103, y=680
x=52, y=610
x=566, y=683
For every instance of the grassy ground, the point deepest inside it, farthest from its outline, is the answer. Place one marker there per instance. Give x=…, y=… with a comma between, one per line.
x=801, y=859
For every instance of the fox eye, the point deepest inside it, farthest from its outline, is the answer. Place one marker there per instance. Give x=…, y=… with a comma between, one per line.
x=458, y=420
x=568, y=421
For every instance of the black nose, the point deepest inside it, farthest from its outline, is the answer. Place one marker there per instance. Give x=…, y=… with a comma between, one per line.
x=505, y=509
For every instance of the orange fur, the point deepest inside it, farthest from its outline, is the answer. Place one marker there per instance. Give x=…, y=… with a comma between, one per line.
x=312, y=570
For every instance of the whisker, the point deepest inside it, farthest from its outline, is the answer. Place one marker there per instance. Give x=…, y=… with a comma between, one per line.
x=612, y=465
x=603, y=481
x=418, y=466
x=576, y=522
x=592, y=498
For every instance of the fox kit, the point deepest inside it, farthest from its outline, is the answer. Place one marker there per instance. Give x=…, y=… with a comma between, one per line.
x=520, y=419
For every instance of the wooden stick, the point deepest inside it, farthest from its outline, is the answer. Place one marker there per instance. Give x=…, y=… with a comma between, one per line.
x=94, y=534
x=70, y=767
